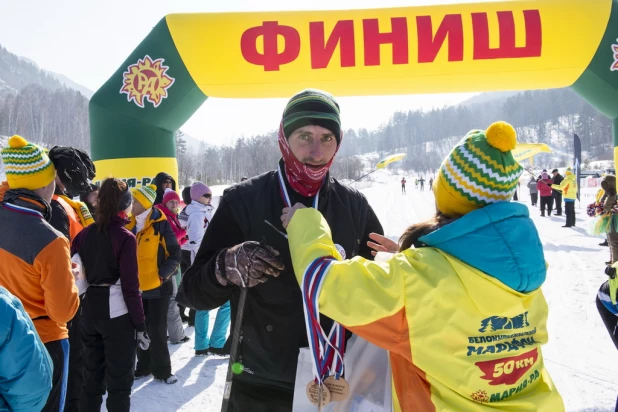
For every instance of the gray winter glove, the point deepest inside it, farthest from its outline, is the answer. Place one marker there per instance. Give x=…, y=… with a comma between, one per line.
x=143, y=341
x=247, y=264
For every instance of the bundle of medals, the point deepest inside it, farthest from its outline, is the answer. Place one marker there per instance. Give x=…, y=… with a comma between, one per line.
x=327, y=351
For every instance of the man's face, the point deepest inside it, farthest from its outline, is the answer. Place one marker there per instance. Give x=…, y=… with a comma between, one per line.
x=314, y=146
x=167, y=184
x=555, y=174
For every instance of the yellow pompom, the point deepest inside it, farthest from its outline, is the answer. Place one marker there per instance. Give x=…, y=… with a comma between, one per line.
x=17, y=142
x=153, y=187
x=502, y=136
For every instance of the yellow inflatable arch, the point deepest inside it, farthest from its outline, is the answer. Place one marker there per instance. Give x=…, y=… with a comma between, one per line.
x=503, y=45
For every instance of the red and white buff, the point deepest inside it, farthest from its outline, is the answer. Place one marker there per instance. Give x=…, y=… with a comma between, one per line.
x=304, y=179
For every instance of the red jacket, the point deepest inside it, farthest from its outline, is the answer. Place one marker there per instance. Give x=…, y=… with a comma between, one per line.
x=181, y=234
x=544, y=186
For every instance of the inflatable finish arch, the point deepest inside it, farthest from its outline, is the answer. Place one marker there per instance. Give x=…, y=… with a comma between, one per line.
x=507, y=45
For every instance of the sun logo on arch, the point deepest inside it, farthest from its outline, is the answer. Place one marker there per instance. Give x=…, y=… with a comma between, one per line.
x=615, y=50
x=146, y=81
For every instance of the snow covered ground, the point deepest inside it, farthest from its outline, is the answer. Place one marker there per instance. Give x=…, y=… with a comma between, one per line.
x=580, y=355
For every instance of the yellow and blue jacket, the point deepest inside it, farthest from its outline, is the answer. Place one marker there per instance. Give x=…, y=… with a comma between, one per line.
x=158, y=254
x=568, y=187
x=464, y=318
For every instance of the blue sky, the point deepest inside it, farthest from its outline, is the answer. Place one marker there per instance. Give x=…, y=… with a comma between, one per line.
x=88, y=40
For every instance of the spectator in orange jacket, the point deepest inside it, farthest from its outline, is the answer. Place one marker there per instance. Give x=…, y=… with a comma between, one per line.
x=36, y=264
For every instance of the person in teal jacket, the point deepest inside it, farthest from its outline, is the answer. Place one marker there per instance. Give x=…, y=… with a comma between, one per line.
x=26, y=371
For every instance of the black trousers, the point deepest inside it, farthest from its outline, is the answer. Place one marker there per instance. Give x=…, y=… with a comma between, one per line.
x=558, y=201
x=534, y=197
x=546, y=203
x=185, y=264
x=610, y=320
x=569, y=208
x=76, y=363
x=259, y=398
x=59, y=353
x=109, y=358
x=156, y=359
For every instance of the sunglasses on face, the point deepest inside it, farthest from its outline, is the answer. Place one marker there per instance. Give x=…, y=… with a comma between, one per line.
x=208, y=196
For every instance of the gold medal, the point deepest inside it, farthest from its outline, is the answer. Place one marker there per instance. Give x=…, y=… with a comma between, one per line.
x=339, y=388
x=313, y=393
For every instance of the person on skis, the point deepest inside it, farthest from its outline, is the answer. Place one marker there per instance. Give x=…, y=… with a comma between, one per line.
x=403, y=185
x=446, y=312
x=246, y=247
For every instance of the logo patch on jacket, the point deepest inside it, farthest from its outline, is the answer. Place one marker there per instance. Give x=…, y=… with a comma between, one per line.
x=496, y=323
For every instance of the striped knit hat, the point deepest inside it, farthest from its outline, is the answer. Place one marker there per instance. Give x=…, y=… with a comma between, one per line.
x=312, y=107
x=26, y=165
x=479, y=171
x=145, y=195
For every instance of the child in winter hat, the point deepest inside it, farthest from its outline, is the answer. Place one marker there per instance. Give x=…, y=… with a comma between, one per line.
x=145, y=195
x=479, y=171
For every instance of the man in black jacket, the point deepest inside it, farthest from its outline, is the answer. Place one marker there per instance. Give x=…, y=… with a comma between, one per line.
x=556, y=180
x=246, y=245
x=163, y=181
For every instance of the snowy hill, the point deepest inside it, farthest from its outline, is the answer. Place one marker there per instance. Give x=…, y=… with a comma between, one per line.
x=16, y=72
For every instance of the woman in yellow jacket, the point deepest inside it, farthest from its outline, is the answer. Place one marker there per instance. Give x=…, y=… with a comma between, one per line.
x=568, y=187
x=460, y=306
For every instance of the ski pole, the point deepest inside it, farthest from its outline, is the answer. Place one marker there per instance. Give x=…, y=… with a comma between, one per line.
x=231, y=368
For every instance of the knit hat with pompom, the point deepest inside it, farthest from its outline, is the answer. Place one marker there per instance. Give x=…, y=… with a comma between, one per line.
x=27, y=165
x=479, y=171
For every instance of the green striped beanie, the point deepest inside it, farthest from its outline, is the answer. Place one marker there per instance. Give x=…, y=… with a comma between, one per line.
x=145, y=195
x=26, y=165
x=479, y=171
x=312, y=107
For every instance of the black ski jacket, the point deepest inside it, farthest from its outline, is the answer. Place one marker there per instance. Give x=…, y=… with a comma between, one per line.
x=556, y=181
x=273, y=327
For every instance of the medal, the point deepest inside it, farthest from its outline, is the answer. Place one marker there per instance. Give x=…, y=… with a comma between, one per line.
x=339, y=388
x=326, y=351
x=315, y=392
